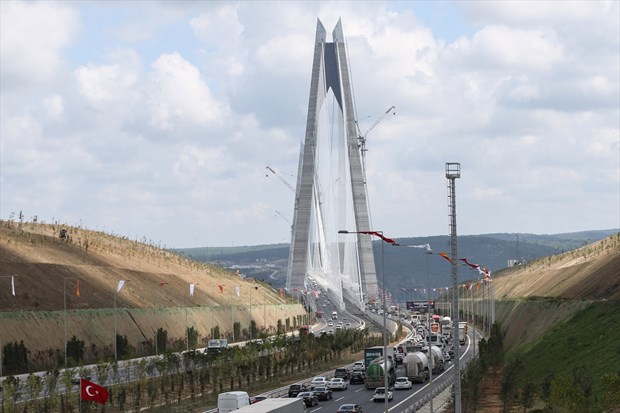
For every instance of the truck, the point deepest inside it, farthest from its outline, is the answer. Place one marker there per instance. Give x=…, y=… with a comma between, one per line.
x=436, y=360
x=371, y=353
x=375, y=373
x=216, y=345
x=276, y=405
x=416, y=367
x=462, y=332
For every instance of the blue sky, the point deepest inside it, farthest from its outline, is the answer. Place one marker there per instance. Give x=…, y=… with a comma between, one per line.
x=157, y=119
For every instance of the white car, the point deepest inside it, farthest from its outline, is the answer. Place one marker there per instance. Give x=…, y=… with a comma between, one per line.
x=359, y=366
x=330, y=323
x=402, y=383
x=318, y=381
x=379, y=395
x=337, y=383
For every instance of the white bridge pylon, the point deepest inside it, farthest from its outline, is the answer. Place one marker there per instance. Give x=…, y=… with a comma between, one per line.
x=331, y=192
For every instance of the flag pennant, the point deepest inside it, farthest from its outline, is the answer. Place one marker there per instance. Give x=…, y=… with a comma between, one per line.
x=380, y=235
x=256, y=287
x=13, y=285
x=444, y=255
x=77, y=288
x=281, y=292
x=120, y=285
x=161, y=284
x=191, y=289
x=221, y=287
x=426, y=246
x=93, y=392
x=474, y=266
x=238, y=289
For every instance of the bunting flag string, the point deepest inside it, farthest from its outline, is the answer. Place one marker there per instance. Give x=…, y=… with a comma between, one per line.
x=474, y=266
x=238, y=290
x=380, y=235
x=77, y=288
x=161, y=284
x=427, y=246
x=13, y=285
x=221, y=287
x=191, y=289
x=120, y=285
x=444, y=255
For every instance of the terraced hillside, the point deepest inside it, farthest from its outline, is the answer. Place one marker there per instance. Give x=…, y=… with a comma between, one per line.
x=156, y=293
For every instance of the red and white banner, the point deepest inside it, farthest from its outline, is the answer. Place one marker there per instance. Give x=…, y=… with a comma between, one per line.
x=93, y=392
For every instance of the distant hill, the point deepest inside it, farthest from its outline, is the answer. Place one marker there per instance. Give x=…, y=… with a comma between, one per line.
x=405, y=268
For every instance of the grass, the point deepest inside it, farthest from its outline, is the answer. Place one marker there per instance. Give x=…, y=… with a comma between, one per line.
x=589, y=341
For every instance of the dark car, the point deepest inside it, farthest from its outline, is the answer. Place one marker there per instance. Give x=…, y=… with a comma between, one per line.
x=309, y=397
x=357, y=377
x=350, y=408
x=295, y=389
x=399, y=357
x=342, y=373
x=322, y=393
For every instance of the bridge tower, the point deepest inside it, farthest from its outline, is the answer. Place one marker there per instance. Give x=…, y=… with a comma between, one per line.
x=331, y=193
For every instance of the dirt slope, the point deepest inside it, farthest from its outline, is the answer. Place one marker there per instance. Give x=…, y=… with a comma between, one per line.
x=46, y=269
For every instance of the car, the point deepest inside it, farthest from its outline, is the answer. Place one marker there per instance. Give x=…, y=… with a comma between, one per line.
x=398, y=358
x=330, y=323
x=323, y=393
x=309, y=397
x=330, y=331
x=402, y=383
x=75, y=379
x=348, y=324
x=342, y=373
x=359, y=366
x=446, y=358
x=295, y=389
x=379, y=395
x=256, y=399
x=337, y=383
x=357, y=377
x=318, y=381
x=349, y=408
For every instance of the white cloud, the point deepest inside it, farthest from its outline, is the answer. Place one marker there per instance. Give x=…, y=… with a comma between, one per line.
x=54, y=106
x=181, y=95
x=33, y=34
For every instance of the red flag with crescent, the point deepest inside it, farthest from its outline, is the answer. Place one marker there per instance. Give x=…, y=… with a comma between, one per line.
x=93, y=392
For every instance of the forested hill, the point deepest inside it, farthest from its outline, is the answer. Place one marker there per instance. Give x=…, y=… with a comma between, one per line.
x=405, y=268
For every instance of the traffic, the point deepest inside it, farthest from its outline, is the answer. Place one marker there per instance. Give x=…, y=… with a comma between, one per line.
x=413, y=368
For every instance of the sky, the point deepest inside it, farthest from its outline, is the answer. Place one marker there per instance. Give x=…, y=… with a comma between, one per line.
x=156, y=120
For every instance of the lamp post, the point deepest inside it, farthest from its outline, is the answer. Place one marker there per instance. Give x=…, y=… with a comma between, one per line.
x=118, y=289
x=13, y=293
x=379, y=234
x=64, y=291
x=191, y=294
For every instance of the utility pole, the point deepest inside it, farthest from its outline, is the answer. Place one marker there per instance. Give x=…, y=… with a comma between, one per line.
x=453, y=171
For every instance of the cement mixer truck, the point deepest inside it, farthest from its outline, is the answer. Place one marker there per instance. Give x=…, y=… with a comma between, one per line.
x=375, y=374
x=416, y=367
x=436, y=360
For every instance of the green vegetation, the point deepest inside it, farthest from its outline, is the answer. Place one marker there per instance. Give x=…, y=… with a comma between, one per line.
x=575, y=367
x=192, y=381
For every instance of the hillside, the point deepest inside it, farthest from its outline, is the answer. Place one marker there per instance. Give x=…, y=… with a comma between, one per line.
x=46, y=269
x=405, y=268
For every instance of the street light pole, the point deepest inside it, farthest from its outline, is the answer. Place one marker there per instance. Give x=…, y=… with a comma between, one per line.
x=64, y=291
x=385, y=372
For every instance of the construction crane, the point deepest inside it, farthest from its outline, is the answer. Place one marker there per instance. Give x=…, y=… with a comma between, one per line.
x=284, y=181
x=361, y=138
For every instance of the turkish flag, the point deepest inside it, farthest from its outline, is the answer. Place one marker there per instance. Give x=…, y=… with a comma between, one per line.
x=93, y=392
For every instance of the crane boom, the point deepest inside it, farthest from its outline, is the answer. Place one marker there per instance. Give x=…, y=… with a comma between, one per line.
x=284, y=181
x=362, y=138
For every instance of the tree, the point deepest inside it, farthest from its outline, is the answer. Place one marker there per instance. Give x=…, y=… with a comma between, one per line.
x=566, y=395
x=610, y=390
x=162, y=339
x=75, y=351
x=15, y=358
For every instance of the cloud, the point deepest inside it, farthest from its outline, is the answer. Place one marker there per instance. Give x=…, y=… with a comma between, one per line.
x=33, y=34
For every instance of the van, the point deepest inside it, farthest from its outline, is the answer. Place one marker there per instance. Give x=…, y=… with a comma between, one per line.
x=232, y=400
